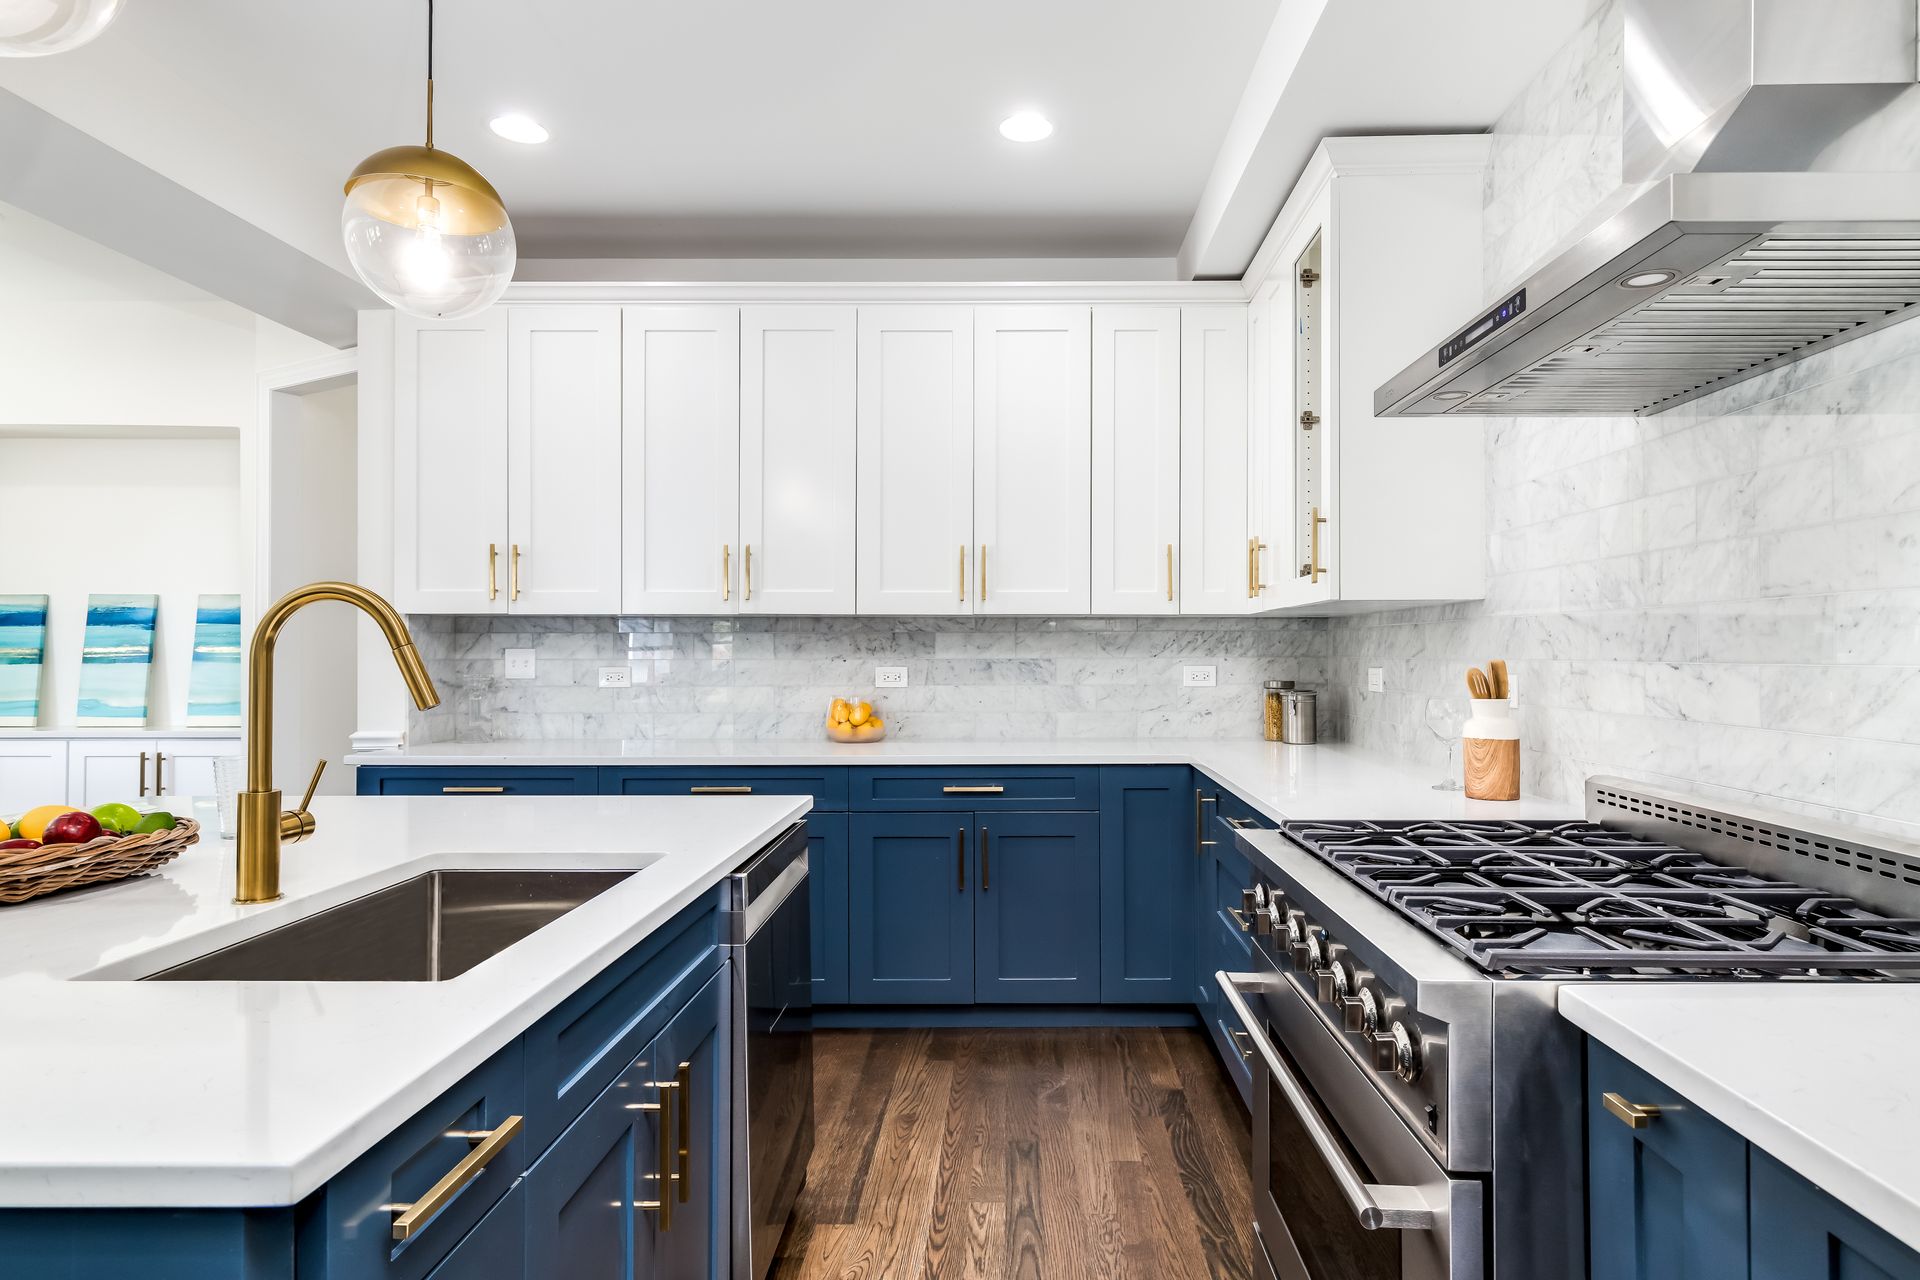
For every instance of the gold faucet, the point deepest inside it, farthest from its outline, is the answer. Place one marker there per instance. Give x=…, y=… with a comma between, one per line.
x=262, y=827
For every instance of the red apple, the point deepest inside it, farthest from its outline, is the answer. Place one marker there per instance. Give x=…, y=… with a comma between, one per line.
x=72, y=828
x=19, y=844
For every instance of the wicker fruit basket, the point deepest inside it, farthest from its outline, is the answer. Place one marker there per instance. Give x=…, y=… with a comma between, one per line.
x=29, y=873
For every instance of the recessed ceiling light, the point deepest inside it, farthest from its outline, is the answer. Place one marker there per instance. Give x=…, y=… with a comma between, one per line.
x=1025, y=126
x=1647, y=279
x=515, y=127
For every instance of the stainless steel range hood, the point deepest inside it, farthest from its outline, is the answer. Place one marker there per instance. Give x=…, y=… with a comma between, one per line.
x=1736, y=251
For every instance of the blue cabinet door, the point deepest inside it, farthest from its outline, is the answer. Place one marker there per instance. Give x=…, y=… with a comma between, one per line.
x=494, y=1250
x=1206, y=803
x=1799, y=1232
x=910, y=908
x=827, y=885
x=1036, y=932
x=1146, y=885
x=691, y=1054
x=593, y=1197
x=1668, y=1200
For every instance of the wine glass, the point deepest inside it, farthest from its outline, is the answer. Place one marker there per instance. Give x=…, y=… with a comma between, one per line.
x=1445, y=718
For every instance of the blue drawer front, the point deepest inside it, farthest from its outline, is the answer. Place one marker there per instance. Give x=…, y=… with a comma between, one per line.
x=418, y=780
x=905, y=788
x=827, y=786
x=1799, y=1232
x=346, y=1227
x=576, y=1051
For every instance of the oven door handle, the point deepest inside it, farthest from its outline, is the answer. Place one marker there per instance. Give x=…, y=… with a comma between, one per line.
x=1379, y=1208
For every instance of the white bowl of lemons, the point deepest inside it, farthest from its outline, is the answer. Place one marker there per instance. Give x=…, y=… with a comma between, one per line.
x=854, y=720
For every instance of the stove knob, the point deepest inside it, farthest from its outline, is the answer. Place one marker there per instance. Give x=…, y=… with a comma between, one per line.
x=1259, y=897
x=1297, y=937
x=1276, y=919
x=1316, y=950
x=1368, y=1013
x=1406, y=1052
x=1336, y=984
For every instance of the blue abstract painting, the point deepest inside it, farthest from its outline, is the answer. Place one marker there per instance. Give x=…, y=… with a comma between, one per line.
x=213, y=687
x=116, y=660
x=23, y=649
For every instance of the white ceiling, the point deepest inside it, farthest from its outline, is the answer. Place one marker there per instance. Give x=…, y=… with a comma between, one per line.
x=689, y=128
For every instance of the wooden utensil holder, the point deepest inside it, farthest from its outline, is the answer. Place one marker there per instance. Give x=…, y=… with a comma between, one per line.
x=1490, y=751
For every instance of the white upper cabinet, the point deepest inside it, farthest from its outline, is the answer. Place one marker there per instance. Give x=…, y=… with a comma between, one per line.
x=680, y=459
x=1032, y=442
x=1367, y=512
x=1136, y=460
x=797, y=480
x=915, y=489
x=450, y=464
x=563, y=455
x=1218, y=557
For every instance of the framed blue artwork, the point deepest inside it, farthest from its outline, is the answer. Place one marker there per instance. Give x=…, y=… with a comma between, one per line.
x=116, y=661
x=23, y=651
x=213, y=685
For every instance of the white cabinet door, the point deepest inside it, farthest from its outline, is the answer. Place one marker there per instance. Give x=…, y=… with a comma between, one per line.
x=1217, y=565
x=680, y=459
x=1301, y=519
x=563, y=460
x=916, y=460
x=1032, y=466
x=33, y=772
x=1136, y=460
x=184, y=767
x=100, y=770
x=797, y=480
x=450, y=463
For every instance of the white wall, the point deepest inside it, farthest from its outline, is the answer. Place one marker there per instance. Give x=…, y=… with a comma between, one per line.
x=92, y=515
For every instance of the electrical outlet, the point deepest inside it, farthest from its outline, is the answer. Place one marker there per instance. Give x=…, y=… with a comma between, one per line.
x=616, y=678
x=1197, y=677
x=1376, y=680
x=519, y=664
x=889, y=677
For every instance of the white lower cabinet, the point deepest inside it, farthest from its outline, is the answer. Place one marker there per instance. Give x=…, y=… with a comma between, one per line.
x=100, y=770
x=33, y=772
x=184, y=766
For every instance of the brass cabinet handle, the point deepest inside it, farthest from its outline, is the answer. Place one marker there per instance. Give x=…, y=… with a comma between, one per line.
x=1241, y=824
x=143, y=774
x=986, y=862
x=513, y=574
x=994, y=790
x=1312, y=569
x=719, y=791
x=664, y=1205
x=1634, y=1115
x=487, y=1143
x=960, y=860
x=726, y=571
x=1258, y=585
x=963, y=573
x=1200, y=822
x=982, y=575
x=159, y=778
x=473, y=791
x=683, y=1087
x=1169, y=573
x=493, y=571
x=749, y=570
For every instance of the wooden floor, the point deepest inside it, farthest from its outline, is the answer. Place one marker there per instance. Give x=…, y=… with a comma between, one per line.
x=1022, y=1155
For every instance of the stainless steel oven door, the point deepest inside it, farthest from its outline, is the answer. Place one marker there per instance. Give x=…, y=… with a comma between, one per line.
x=1342, y=1189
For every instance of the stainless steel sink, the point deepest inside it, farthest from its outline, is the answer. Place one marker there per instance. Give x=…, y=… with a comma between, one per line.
x=428, y=929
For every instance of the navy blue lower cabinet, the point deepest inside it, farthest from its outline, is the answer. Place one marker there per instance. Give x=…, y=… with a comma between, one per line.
x=1799, y=1232
x=475, y=780
x=153, y=1244
x=827, y=886
x=494, y=1250
x=910, y=908
x=1146, y=885
x=1667, y=1198
x=1036, y=929
x=697, y=1243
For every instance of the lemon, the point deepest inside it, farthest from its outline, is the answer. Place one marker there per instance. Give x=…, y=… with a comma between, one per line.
x=862, y=711
x=840, y=711
x=33, y=823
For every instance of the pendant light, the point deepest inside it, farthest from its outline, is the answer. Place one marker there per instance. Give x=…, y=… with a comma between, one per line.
x=35, y=28
x=424, y=230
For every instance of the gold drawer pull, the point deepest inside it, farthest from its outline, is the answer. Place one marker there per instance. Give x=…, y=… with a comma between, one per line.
x=493, y=568
x=683, y=1085
x=1635, y=1115
x=473, y=791
x=720, y=791
x=487, y=1143
x=973, y=791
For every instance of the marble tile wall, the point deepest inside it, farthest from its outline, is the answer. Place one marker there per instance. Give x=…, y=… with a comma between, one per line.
x=756, y=678
x=1726, y=595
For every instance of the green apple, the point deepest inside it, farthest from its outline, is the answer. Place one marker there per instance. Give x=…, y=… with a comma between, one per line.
x=117, y=818
x=158, y=820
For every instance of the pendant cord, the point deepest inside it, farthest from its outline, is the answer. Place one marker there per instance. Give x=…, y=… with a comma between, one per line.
x=429, y=74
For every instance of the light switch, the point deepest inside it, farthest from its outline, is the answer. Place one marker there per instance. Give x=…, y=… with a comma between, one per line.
x=519, y=664
x=1376, y=680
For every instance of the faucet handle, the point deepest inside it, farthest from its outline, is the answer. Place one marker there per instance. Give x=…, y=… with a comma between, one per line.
x=298, y=824
x=313, y=785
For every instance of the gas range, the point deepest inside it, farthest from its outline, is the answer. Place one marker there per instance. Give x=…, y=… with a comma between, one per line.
x=1407, y=978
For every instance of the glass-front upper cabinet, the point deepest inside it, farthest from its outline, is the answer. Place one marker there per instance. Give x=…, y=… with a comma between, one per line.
x=1309, y=453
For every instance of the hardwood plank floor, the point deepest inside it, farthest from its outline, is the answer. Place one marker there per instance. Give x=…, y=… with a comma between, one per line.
x=1079, y=1154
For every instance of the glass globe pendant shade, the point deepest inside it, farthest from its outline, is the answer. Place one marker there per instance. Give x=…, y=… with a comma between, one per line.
x=35, y=28
x=427, y=233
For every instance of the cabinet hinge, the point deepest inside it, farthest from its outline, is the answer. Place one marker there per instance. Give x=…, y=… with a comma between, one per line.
x=1309, y=420
x=1308, y=277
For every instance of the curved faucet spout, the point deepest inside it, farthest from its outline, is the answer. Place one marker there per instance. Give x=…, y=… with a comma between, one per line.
x=262, y=827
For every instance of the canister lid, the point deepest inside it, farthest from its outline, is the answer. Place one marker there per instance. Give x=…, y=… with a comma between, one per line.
x=1278, y=686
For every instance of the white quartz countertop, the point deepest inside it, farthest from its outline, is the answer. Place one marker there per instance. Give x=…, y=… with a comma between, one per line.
x=1817, y=1075
x=125, y=1093
x=1327, y=780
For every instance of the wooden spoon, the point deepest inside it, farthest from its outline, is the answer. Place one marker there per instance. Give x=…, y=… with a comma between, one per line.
x=1498, y=668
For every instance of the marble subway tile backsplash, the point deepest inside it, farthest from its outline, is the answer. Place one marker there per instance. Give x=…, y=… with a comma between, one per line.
x=756, y=678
